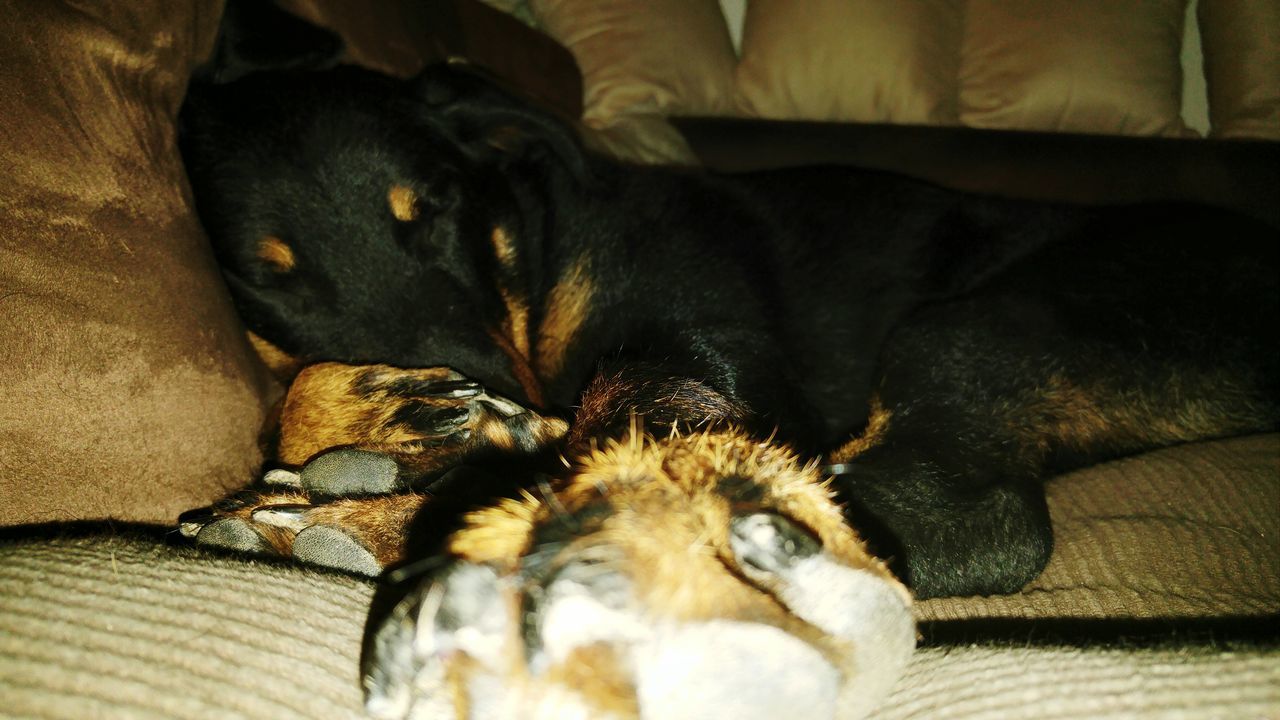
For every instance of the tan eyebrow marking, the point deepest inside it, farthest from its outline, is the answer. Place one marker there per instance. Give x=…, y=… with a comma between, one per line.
x=276, y=253
x=514, y=298
x=404, y=203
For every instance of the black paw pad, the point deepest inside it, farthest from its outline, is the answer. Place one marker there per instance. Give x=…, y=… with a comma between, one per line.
x=347, y=473
x=232, y=534
x=331, y=547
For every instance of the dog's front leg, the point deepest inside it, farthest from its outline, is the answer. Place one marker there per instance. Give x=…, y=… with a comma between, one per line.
x=361, y=449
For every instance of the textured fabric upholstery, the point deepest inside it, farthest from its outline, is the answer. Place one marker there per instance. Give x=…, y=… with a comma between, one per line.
x=121, y=626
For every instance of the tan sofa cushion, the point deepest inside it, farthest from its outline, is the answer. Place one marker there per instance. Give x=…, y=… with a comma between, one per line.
x=113, y=627
x=858, y=60
x=1109, y=66
x=129, y=389
x=669, y=57
x=1241, y=40
x=1096, y=66
x=1187, y=532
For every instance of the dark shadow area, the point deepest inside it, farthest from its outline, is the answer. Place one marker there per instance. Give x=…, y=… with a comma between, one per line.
x=1227, y=632
x=1094, y=169
x=87, y=529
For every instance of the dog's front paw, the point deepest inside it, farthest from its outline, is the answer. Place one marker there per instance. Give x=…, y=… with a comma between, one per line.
x=689, y=578
x=337, y=512
x=428, y=420
x=368, y=441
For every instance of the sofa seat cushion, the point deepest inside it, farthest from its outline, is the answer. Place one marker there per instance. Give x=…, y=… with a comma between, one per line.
x=1186, y=532
x=114, y=625
x=127, y=627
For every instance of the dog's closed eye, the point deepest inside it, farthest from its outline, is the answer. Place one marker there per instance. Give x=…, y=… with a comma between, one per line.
x=405, y=204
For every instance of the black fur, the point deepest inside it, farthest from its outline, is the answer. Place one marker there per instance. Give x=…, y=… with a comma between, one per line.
x=993, y=331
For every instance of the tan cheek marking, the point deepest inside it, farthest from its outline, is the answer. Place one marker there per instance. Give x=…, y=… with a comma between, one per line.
x=404, y=203
x=506, y=138
x=281, y=364
x=504, y=247
x=520, y=367
x=513, y=337
x=514, y=299
x=276, y=253
x=567, y=308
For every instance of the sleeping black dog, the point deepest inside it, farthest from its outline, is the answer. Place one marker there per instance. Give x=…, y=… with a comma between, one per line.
x=614, y=393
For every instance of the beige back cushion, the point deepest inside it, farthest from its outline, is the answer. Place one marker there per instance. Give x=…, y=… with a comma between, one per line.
x=1085, y=66
x=1241, y=41
x=129, y=389
x=1090, y=66
x=669, y=57
x=860, y=60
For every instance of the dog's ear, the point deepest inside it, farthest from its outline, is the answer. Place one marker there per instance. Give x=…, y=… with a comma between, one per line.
x=490, y=122
x=256, y=35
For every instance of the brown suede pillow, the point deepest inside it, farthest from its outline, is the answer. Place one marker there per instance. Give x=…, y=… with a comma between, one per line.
x=130, y=391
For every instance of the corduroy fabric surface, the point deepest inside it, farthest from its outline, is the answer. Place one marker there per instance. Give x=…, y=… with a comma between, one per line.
x=1011, y=683
x=1187, y=532
x=112, y=627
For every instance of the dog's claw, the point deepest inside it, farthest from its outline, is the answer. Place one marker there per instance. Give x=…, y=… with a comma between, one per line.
x=282, y=477
x=291, y=517
x=453, y=388
x=502, y=406
x=192, y=521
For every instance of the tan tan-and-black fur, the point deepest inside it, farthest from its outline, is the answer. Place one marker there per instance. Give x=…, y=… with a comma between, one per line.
x=942, y=353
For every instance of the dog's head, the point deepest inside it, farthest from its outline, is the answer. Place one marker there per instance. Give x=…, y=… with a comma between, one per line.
x=366, y=219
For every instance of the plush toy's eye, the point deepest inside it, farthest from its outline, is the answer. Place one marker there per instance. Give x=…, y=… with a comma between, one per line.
x=276, y=253
x=405, y=204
